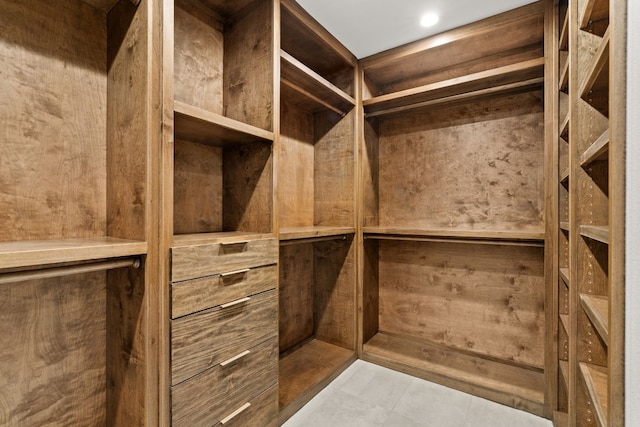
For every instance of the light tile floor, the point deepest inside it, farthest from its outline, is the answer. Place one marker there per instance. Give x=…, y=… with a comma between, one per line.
x=368, y=395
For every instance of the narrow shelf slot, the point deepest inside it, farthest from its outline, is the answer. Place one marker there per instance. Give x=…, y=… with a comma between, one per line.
x=197, y=125
x=597, y=308
x=479, y=236
x=594, y=10
x=317, y=89
x=564, y=275
x=304, y=233
x=564, y=32
x=596, y=381
x=599, y=150
x=597, y=77
x=511, y=74
x=31, y=254
x=593, y=232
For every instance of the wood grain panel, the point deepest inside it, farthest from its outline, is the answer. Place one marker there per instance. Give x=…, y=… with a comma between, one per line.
x=203, y=340
x=198, y=56
x=458, y=296
x=263, y=412
x=296, y=294
x=194, y=261
x=248, y=66
x=334, y=169
x=295, y=161
x=478, y=166
x=207, y=398
x=334, y=273
x=197, y=188
x=53, y=106
x=52, y=353
x=200, y=294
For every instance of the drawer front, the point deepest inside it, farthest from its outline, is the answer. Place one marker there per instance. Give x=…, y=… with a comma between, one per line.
x=260, y=412
x=215, y=394
x=193, y=262
x=205, y=339
x=200, y=294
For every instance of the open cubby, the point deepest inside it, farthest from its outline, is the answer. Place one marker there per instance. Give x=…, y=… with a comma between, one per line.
x=75, y=201
x=317, y=317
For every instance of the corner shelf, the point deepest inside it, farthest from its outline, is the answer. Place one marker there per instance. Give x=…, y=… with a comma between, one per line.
x=593, y=232
x=197, y=125
x=599, y=150
x=490, y=236
x=324, y=94
x=564, y=275
x=594, y=10
x=37, y=253
x=596, y=382
x=517, y=76
x=597, y=309
x=314, y=232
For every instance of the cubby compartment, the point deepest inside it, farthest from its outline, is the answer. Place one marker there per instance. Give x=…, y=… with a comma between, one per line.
x=75, y=202
x=317, y=317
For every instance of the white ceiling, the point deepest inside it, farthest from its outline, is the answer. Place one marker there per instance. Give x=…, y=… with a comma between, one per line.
x=370, y=26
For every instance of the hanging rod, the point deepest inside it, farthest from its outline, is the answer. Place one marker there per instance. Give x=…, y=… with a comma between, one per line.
x=493, y=242
x=47, y=273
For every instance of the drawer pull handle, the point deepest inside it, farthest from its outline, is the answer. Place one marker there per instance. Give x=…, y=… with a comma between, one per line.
x=236, y=302
x=234, y=358
x=233, y=273
x=235, y=413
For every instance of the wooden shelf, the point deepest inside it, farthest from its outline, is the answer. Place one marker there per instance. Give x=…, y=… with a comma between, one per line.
x=593, y=232
x=596, y=380
x=564, y=176
x=197, y=125
x=564, y=371
x=597, y=77
x=502, y=381
x=564, y=128
x=296, y=233
x=307, y=370
x=564, y=72
x=597, y=308
x=36, y=253
x=221, y=237
x=599, y=150
x=380, y=232
x=319, y=92
x=565, y=322
x=564, y=32
x=564, y=275
x=564, y=225
x=594, y=10
x=498, y=79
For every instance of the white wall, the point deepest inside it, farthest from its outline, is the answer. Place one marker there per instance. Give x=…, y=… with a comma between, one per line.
x=632, y=381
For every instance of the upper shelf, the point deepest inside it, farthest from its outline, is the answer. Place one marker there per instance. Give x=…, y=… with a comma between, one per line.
x=523, y=75
x=320, y=92
x=379, y=232
x=599, y=150
x=197, y=125
x=35, y=253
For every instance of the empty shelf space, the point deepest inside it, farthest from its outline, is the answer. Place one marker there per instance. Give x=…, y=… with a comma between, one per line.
x=593, y=232
x=317, y=89
x=564, y=225
x=197, y=125
x=35, y=253
x=564, y=275
x=564, y=32
x=597, y=308
x=564, y=371
x=307, y=370
x=525, y=74
x=599, y=150
x=296, y=233
x=565, y=322
x=221, y=237
x=597, y=77
x=594, y=10
x=564, y=71
x=596, y=382
x=456, y=369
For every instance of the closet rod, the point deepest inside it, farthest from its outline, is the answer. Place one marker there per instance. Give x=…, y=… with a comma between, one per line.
x=47, y=273
x=493, y=242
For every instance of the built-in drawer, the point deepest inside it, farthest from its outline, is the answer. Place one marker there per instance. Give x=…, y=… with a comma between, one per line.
x=195, y=261
x=217, y=393
x=262, y=411
x=195, y=295
x=204, y=339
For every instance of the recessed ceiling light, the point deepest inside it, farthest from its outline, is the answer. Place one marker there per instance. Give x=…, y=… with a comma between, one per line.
x=429, y=19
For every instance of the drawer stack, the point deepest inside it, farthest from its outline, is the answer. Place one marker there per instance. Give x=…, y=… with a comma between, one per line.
x=224, y=334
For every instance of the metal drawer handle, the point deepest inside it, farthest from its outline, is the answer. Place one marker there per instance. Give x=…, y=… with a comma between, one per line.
x=233, y=273
x=236, y=302
x=235, y=413
x=234, y=358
